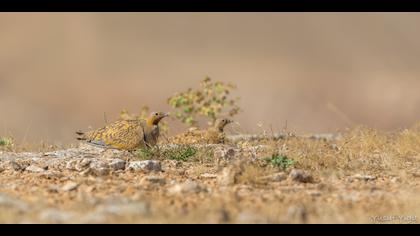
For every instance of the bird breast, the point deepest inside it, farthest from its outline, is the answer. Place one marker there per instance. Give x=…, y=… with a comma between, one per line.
x=151, y=136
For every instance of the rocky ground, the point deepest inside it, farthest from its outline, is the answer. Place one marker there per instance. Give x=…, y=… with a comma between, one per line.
x=229, y=184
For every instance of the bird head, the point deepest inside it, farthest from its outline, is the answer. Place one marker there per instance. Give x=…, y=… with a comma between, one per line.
x=221, y=123
x=155, y=117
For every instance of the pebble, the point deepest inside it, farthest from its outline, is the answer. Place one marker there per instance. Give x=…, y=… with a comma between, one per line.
x=70, y=186
x=362, y=177
x=50, y=174
x=297, y=213
x=186, y=187
x=56, y=216
x=99, y=168
x=15, y=166
x=301, y=176
x=82, y=164
x=117, y=164
x=154, y=179
x=71, y=165
x=224, y=153
x=135, y=208
x=148, y=165
x=248, y=217
x=208, y=176
x=277, y=177
x=228, y=175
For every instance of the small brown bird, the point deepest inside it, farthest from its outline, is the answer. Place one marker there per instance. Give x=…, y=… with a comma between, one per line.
x=126, y=134
x=212, y=135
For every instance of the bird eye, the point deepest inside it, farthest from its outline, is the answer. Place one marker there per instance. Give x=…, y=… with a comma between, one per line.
x=156, y=114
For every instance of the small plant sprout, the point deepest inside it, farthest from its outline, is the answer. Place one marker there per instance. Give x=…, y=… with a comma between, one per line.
x=147, y=153
x=279, y=161
x=6, y=143
x=180, y=153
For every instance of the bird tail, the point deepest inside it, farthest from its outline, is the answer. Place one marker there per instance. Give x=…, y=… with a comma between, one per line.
x=81, y=135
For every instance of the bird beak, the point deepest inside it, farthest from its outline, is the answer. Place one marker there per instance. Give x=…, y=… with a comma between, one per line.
x=165, y=114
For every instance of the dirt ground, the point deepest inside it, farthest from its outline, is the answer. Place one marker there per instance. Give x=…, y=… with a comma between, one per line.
x=360, y=176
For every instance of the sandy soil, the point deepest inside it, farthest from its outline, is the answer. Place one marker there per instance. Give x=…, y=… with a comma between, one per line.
x=228, y=184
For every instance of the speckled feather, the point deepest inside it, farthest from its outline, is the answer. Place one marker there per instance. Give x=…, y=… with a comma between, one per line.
x=126, y=134
x=122, y=134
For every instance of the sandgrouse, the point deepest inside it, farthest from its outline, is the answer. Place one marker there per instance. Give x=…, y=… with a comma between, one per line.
x=212, y=135
x=126, y=134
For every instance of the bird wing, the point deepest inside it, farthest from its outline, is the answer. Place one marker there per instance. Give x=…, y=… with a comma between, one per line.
x=122, y=134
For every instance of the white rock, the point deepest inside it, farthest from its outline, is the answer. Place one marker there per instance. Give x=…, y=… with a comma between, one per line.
x=71, y=165
x=208, y=176
x=149, y=165
x=70, y=186
x=34, y=169
x=185, y=188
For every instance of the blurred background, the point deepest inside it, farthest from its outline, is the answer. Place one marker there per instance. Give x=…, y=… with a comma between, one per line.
x=320, y=72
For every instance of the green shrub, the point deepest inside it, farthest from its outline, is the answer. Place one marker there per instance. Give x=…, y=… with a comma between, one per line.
x=6, y=143
x=211, y=101
x=180, y=153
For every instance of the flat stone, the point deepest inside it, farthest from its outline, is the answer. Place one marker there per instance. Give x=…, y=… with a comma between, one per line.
x=117, y=164
x=34, y=169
